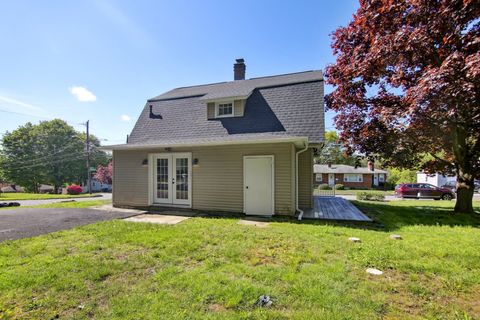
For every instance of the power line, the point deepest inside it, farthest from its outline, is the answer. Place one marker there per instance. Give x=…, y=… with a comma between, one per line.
x=72, y=157
x=41, y=117
x=24, y=114
x=46, y=156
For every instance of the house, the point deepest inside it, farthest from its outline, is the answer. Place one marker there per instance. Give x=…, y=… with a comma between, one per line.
x=349, y=176
x=436, y=179
x=238, y=146
x=7, y=188
x=97, y=186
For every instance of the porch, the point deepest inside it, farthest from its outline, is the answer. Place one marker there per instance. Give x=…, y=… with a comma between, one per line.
x=334, y=208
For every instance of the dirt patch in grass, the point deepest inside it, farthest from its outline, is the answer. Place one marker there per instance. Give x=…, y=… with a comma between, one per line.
x=419, y=295
x=216, y=307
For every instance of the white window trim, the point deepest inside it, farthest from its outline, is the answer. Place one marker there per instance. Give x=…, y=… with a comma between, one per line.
x=318, y=177
x=225, y=115
x=351, y=175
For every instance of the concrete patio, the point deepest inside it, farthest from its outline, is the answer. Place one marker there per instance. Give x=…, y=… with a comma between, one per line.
x=334, y=208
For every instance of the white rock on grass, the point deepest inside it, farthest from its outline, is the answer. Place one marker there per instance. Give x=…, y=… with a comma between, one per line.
x=353, y=239
x=374, y=271
x=396, y=237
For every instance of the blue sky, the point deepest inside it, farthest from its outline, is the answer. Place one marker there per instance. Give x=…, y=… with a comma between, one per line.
x=99, y=60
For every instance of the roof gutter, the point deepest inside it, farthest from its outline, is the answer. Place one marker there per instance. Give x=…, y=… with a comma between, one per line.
x=300, y=212
x=296, y=140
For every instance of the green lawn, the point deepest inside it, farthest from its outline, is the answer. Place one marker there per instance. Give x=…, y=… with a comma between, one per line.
x=39, y=196
x=213, y=268
x=73, y=204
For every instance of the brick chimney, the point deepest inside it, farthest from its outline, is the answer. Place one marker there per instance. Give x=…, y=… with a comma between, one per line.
x=371, y=166
x=239, y=68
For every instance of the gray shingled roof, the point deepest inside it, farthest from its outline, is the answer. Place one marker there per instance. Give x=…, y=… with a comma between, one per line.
x=285, y=106
x=342, y=168
x=239, y=88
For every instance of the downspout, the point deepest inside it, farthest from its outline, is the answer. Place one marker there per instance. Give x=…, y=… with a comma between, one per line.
x=300, y=214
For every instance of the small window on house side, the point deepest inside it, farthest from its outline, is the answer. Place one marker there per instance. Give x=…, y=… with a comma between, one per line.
x=318, y=177
x=224, y=109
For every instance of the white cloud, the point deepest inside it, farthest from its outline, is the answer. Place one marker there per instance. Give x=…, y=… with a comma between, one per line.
x=82, y=94
x=125, y=118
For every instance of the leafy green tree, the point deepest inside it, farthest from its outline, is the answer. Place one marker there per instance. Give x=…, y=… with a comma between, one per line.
x=51, y=152
x=397, y=175
x=334, y=152
x=407, y=83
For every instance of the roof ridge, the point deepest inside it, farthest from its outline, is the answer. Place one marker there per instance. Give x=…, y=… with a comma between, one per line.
x=279, y=75
x=200, y=85
x=233, y=81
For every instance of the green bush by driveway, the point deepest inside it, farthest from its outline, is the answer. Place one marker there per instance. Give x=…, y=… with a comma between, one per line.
x=370, y=196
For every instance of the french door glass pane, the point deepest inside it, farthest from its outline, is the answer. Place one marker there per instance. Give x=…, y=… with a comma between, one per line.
x=162, y=178
x=181, y=178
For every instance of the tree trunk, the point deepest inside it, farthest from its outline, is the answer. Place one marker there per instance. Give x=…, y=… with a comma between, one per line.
x=465, y=190
x=464, y=167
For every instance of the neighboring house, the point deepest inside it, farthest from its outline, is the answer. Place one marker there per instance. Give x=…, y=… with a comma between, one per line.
x=5, y=187
x=45, y=188
x=239, y=146
x=436, y=179
x=349, y=176
x=97, y=186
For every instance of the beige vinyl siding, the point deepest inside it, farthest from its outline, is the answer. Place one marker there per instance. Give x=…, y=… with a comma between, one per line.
x=305, y=179
x=217, y=180
x=239, y=108
x=130, y=178
x=293, y=178
x=211, y=110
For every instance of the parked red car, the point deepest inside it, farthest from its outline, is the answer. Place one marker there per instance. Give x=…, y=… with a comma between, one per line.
x=423, y=191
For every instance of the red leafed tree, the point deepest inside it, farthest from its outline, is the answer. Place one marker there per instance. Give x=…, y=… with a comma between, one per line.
x=407, y=85
x=104, y=174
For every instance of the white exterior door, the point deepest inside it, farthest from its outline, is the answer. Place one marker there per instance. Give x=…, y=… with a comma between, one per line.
x=258, y=185
x=331, y=179
x=172, y=178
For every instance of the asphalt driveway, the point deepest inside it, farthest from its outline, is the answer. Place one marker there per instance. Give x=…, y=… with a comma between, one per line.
x=28, y=222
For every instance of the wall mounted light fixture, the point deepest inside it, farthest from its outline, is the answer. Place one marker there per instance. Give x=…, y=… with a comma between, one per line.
x=145, y=162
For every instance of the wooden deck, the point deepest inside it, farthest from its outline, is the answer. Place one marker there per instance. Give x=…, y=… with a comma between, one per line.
x=334, y=208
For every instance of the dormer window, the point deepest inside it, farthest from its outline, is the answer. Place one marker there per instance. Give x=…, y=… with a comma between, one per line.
x=224, y=109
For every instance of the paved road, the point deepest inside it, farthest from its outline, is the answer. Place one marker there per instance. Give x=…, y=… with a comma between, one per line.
x=28, y=222
x=100, y=196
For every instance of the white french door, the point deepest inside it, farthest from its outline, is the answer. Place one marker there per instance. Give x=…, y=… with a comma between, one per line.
x=172, y=178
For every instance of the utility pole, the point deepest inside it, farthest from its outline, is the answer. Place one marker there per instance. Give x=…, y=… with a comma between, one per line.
x=89, y=178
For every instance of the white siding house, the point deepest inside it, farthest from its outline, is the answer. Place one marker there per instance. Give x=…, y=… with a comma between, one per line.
x=436, y=179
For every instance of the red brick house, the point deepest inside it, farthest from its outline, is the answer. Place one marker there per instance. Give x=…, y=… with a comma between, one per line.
x=349, y=176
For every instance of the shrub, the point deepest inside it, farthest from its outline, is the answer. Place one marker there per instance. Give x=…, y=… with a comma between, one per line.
x=324, y=186
x=74, y=189
x=370, y=196
x=339, y=186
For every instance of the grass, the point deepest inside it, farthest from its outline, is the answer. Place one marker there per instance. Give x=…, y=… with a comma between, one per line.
x=354, y=192
x=73, y=204
x=39, y=196
x=207, y=268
